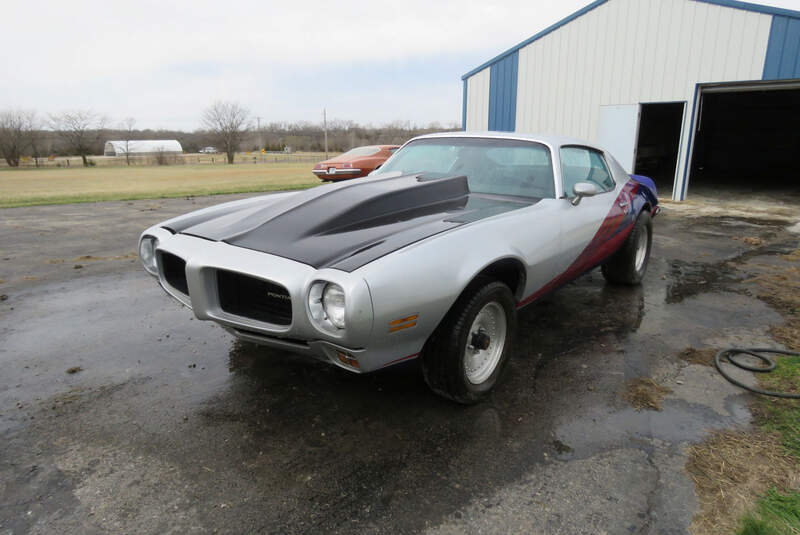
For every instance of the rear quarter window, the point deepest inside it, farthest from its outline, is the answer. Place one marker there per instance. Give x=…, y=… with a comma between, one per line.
x=582, y=164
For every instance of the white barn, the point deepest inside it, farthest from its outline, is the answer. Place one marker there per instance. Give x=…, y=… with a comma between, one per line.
x=140, y=147
x=700, y=92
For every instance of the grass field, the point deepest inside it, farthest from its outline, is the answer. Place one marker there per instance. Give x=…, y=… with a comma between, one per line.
x=28, y=187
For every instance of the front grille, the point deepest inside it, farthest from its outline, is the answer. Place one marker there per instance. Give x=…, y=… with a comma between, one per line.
x=174, y=268
x=253, y=298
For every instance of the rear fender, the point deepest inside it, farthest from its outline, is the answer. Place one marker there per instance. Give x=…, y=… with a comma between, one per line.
x=646, y=195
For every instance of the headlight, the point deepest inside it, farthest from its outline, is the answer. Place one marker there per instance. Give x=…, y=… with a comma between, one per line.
x=326, y=302
x=333, y=304
x=147, y=253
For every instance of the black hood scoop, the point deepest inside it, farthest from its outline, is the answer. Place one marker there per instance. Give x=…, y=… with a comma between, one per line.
x=345, y=226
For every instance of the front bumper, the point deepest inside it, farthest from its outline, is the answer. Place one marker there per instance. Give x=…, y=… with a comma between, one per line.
x=205, y=258
x=335, y=172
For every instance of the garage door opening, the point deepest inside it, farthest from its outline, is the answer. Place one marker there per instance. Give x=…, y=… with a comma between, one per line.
x=659, y=142
x=747, y=140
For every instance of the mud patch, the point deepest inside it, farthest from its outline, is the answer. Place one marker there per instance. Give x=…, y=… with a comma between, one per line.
x=561, y=448
x=730, y=471
x=688, y=279
x=645, y=393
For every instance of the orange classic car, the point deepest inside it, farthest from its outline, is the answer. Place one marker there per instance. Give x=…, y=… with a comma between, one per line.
x=354, y=163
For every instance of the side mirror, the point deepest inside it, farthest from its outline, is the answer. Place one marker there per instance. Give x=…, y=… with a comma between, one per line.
x=581, y=190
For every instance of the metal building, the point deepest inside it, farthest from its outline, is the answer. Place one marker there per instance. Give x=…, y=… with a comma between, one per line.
x=700, y=92
x=140, y=147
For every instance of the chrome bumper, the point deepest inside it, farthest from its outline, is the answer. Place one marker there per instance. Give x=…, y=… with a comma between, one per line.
x=326, y=172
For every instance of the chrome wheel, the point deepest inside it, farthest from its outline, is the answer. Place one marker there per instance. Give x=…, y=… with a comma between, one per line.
x=485, y=343
x=641, y=251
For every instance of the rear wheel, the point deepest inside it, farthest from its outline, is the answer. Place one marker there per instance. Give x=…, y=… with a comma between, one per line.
x=466, y=354
x=629, y=264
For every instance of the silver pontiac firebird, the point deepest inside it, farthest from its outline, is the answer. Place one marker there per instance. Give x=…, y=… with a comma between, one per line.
x=429, y=257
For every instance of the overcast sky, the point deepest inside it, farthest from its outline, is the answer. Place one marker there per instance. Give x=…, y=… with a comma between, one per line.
x=163, y=62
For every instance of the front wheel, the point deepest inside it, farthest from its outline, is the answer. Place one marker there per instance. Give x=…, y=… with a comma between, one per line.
x=629, y=263
x=464, y=357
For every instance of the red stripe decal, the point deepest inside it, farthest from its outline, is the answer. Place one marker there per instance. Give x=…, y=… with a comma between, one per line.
x=401, y=360
x=608, y=238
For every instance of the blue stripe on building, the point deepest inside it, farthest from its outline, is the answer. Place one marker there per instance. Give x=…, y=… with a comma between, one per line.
x=464, y=108
x=503, y=93
x=783, y=49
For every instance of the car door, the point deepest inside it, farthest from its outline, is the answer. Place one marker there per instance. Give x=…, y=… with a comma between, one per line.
x=586, y=226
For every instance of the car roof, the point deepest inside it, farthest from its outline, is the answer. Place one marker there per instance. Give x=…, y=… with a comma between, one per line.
x=547, y=139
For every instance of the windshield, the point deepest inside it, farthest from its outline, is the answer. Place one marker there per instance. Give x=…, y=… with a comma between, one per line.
x=494, y=166
x=363, y=151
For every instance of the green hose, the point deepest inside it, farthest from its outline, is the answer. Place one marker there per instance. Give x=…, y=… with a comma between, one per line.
x=756, y=352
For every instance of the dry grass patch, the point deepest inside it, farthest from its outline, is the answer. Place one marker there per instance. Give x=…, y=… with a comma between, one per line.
x=645, y=393
x=731, y=470
x=787, y=334
x=698, y=356
x=779, y=286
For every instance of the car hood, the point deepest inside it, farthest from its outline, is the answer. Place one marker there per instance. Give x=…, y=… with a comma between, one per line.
x=345, y=226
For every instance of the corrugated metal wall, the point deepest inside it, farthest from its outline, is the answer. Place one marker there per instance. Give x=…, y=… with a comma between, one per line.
x=478, y=101
x=783, y=52
x=503, y=94
x=634, y=51
x=628, y=52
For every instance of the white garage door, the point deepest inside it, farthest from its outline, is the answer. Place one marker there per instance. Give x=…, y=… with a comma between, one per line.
x=618, y=131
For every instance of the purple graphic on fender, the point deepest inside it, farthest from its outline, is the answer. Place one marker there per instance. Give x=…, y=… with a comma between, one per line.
x=609, y=237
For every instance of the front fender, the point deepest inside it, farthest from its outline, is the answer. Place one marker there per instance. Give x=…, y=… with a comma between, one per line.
x=425, y=278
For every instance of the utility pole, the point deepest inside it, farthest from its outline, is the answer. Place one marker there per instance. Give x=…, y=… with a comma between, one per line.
x=325, y=127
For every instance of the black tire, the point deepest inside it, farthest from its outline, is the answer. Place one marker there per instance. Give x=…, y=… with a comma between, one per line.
x=443, y=357
x=621, y=267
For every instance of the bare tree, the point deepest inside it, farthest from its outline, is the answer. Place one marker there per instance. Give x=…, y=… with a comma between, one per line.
x=127, y=128
x=79, y=131
x=227, y=122
x=36, y=137
x=16, y=128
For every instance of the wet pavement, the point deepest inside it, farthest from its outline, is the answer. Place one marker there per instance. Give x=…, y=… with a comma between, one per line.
x=171, y=425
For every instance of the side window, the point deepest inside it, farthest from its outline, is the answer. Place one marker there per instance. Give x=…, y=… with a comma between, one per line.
x=579, y=164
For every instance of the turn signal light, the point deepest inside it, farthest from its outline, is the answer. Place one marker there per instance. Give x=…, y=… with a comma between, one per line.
x=347, y=359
